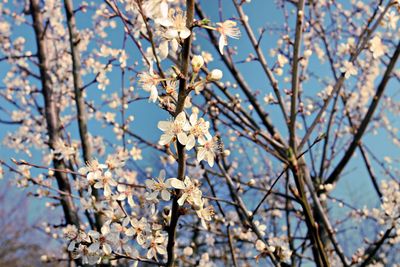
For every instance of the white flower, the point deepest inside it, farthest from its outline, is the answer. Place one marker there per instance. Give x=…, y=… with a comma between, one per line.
x=88, y=257
x=104, y=241
x=175, y=30
x=139, y=229
x=269, y=98
x=105, y=181
x=93, y=170
x=261, y=227
x=190, y=192
x=156, y=244
x=205, y=214
x=125, y=192
x=156, y=8
x=173, y=129
x=348, y=69
x=175, y=24
x=170, y=88
x=391, y=20
x=165, y=44
x=136, y=153
x=198, y=128
x=63, y=151
x=149, y=81
x=282, y=60
x=70, y=232
x=227, y=28
x=159, y=186
x=207, y=150
x=377, y=48
x=278, y=244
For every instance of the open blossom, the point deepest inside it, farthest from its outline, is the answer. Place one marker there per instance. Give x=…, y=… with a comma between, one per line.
x=104, y=241
x=156, y=244
x=269, y=98
x=78, y=250
x=205, y=214
x=117, y=160
x=156, y=8
x=158, y=186
x=125, y=192
x=136, y=153
x=88, y=257
x=149, y=81
x=166, y=44
x=276, y=246
x=72, y=234
x=170, y=88
x=227, y=28
x=377, y=48
x=391, y=19
x=207, y=150
x=139, y=229
x=175, y=24
x=172, y=129
x=198, y=128
x=190, y=191
x=280, y=247
x=282, y=60
x=93, y=170
x=174, y=30
x=348, y=69
x=105, y=181
x=63, y=151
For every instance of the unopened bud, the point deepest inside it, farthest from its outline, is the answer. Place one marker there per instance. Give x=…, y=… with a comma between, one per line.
x=215, y=75
x=197, y=63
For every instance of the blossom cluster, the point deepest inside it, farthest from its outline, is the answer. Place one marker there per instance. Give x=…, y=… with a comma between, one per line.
x=189, y=191
x=187, y=132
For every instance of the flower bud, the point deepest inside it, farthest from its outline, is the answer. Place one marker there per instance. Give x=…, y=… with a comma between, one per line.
x=308, y=53
x=329, y=187
x=188, y=251
x=214, y=75
x=44, y=258
x=251, y=182
x=197, y=63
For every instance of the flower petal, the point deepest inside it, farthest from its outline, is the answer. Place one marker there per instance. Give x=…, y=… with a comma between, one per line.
x=176, y=183
x=164, y=125
x=182, y=138
x=201, y=154
x=182, y=199
x=222, y=42
x=165, y=195
x=190, y=142
x=185, y=33
x=165, y=139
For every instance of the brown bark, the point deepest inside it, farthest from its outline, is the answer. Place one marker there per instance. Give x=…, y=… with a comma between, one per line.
x=51, y=115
